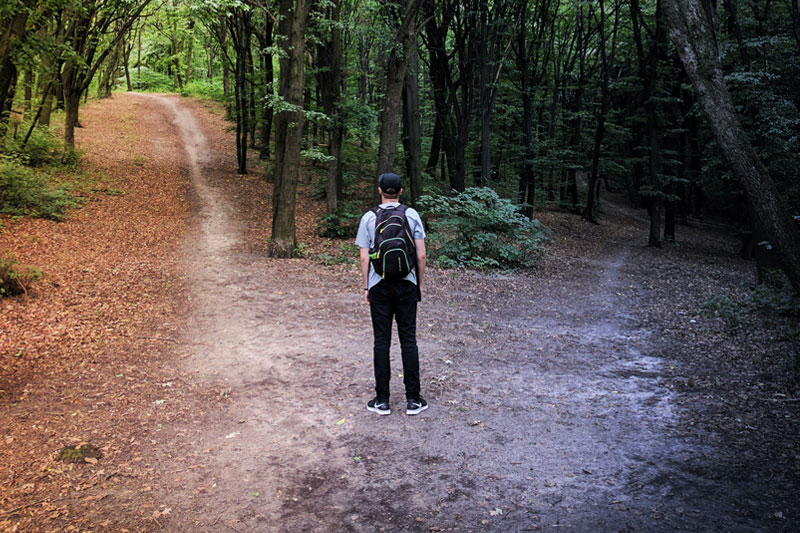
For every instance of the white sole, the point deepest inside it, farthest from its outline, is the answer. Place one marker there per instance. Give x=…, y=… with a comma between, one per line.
x=382, y=413
x=416, y=411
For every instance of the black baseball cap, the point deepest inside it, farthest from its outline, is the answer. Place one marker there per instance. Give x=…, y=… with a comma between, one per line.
x=390, y=183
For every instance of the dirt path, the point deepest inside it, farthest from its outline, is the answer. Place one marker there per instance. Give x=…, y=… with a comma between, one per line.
x=227, y=390
x=549, y=405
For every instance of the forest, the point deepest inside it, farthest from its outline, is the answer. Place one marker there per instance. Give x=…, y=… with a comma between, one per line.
x=608, y=339
x=689, y=107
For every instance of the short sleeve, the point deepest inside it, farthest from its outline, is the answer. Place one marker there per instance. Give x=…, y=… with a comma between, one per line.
x=363, y=237
x=415, y=223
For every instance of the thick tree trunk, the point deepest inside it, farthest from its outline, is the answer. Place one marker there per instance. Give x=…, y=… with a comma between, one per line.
x=289, y=128
x=692, y=32
x=396, y=67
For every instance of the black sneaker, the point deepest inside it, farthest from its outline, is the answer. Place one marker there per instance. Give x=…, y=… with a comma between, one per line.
x=416, y=406
x=379, y=406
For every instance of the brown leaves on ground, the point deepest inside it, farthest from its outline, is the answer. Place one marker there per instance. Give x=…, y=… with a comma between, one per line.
x=86, y=354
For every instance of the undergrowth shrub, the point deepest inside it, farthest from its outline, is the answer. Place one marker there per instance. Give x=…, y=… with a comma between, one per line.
x=145, y=79
x=342, y=223
x=765, y=305
x=204, y=89
x=773, y=306
x=477, y=228
x=43, y=147
x=345, y=256
x=14, y=278
x=26, y=192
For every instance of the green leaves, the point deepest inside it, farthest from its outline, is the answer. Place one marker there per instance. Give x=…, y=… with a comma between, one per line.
x=478, y=229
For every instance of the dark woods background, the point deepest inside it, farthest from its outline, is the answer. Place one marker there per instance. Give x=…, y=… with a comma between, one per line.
x=549, y=103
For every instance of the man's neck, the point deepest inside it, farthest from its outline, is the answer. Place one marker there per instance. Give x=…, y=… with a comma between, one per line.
x=385, y=200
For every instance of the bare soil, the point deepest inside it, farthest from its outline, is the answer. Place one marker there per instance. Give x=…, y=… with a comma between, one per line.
x=591, y=395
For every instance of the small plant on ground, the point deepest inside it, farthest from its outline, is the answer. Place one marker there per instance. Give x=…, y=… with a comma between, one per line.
x=85, y=453
x=479, y=229
x=342, y=223
x=346, y=256
x=767, y=304
x=23, y=191
x=14, y=278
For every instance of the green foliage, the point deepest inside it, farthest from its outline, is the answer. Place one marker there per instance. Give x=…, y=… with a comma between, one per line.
x=26, y=192
x=479, y=229
x=346, y=255
x=765, y=304
x=301, y=250
x=342, y=223
x=150, y=80
x=14, y=278
x=204, y=89
x=42, y=148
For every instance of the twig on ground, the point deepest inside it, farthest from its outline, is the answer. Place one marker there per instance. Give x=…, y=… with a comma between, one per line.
x=21, y=507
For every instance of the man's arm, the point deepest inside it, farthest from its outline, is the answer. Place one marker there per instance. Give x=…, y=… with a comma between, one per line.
x=364, y=256
x=421, y=258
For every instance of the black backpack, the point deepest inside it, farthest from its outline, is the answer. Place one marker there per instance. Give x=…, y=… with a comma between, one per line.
x=393, y=254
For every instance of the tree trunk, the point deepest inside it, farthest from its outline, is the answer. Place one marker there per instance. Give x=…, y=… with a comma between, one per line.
x=251, y=85
x=266, y=40
x=605, y=101
x=226, y=82
x=10, y=38
x=289, y=128
x=436, y=145
x=71, y=103
x=527, y=185
x=189, y=49
x=396, y=67
x=483, y=84
x=692, y=32
x=126, y=52
x=412, y=138
x=329, y=58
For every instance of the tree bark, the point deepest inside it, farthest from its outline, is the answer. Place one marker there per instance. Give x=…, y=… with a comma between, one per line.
x=265, y=40
x=412, y=134
x=189, y=49
x=692, y=32
x=396, y=67
x=329, y=59
x=289, y=126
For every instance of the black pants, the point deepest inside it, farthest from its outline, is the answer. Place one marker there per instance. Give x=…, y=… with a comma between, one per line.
x=398, y=300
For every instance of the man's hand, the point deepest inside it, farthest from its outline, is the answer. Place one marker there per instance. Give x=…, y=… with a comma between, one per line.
x=366, y=297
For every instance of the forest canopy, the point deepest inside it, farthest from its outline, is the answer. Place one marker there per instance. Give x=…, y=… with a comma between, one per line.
x=546, y=102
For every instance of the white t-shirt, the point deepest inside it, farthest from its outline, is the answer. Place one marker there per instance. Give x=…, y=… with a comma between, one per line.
x=366, y=237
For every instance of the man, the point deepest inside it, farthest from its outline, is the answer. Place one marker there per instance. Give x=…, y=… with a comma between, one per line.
x=393, y=299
